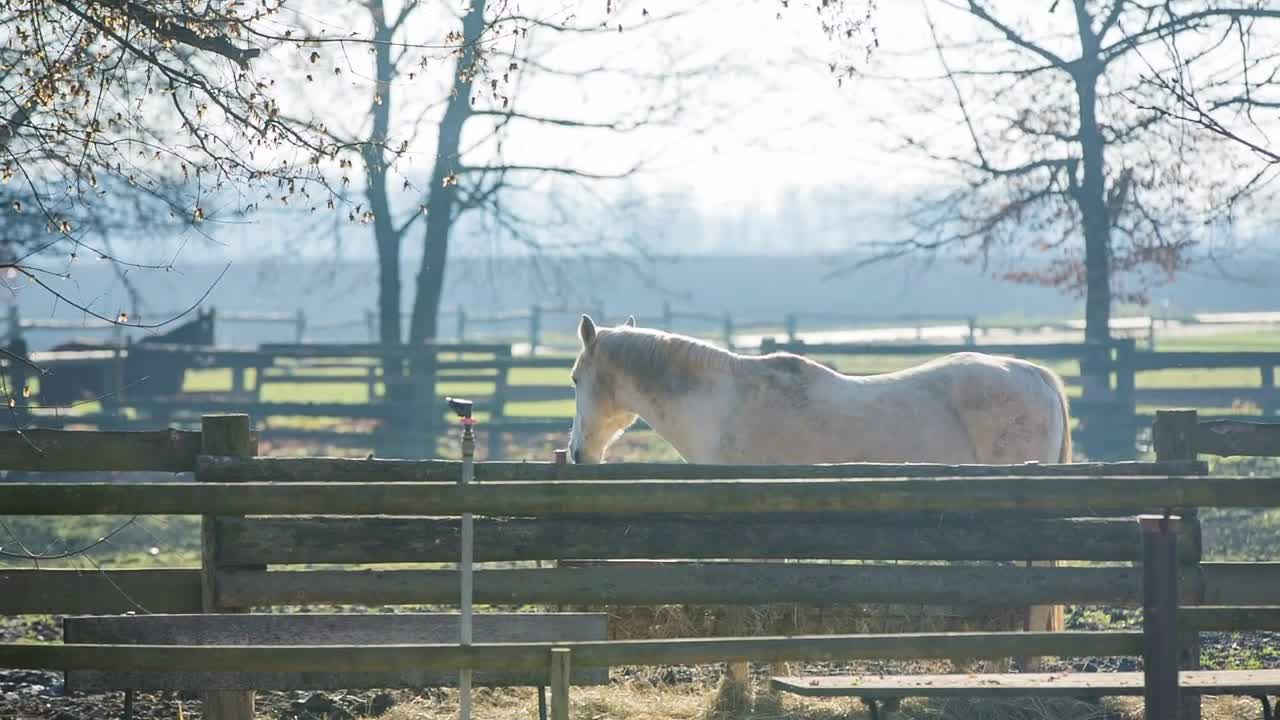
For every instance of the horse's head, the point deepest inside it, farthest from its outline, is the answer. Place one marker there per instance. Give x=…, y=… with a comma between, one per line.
x=598, y=418
x=197, y=331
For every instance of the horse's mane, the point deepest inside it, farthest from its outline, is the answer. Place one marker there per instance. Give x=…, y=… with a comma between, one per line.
x=655, y=356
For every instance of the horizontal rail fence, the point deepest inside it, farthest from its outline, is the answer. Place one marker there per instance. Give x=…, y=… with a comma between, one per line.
x=527, y=325
x=386, y=399
x=635, y=535
x=18, y=327
x=342, y=396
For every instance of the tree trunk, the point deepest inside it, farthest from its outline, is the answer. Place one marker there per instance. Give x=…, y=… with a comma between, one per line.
x=442, y=200
x=384, y=231
x=1100, y=430
x=1091, y=195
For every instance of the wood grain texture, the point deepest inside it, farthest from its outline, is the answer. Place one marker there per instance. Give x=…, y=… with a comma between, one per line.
x=1234, y=437
x=1070, y=684
x=533, y=657
x=263, y=469
x=83, y=450
x=937, y=536
x=639, y=583
x=99, y=591
x=1068, y=495
x=322, y=629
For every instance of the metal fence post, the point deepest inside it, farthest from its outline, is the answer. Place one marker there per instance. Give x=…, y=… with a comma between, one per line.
x=465, y=564
x=1160, y=617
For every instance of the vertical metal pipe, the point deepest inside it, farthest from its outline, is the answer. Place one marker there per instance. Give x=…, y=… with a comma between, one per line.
x=465, y=564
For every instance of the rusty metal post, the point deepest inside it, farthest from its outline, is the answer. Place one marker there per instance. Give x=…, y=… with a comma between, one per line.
x=1160, y=617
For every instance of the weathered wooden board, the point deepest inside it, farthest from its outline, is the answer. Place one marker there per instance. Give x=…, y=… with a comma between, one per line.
x=640, y=583
x=924, y=536
x=1234, y=437
x=83, y=450
x=30, y=591
x=321, y=629
x=1068, y=495
x=1069, y=684
x=534, y=657
x=282, y=469
x=1230, y=619
x=1240, y=583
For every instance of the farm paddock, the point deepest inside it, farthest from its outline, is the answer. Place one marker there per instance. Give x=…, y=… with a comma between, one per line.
x=696, y=682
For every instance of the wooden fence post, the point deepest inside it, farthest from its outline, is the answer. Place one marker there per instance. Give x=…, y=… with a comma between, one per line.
x=1173, y=438
x=728, y=331
x=1270, y=404
x=461, y=331
x=299, y=325
x=535, y=328
x=15, y=323
x=666, y=315
x=1127, y=413
x=559, y=683
x=1173, y=434
x=498, y=403
x=1160, y=617
x=18, y=374
x=221, y=435
x=792, y=328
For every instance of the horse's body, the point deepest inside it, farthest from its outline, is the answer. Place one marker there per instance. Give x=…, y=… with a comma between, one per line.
x=719, y=407
x=714, y=406
x=147, y=372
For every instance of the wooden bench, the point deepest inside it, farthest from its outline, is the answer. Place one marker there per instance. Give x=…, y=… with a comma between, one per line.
x=874, y=689
x=319, y=629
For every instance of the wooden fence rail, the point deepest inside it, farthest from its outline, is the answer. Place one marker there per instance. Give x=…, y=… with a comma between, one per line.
x=533, y=657
x=1056, y=494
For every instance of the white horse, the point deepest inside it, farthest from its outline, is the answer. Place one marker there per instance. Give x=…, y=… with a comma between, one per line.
x=719, y=407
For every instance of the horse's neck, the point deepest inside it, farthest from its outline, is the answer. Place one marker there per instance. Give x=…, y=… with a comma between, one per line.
x=690, y=421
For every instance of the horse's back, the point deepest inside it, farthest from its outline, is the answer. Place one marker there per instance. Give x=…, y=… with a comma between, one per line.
x=959, y=408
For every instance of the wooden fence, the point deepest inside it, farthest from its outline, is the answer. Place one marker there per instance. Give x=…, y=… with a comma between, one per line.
x=19, y=327
x=397, y=411
x=363, y=398
x=329, y=510
x=528, y=325
x=359, y=511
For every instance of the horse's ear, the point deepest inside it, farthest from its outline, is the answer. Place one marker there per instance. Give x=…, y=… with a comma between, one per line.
x=586, y=330
x=631, y=321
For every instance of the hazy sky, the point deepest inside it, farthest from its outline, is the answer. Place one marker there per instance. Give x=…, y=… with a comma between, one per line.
x=769, y=119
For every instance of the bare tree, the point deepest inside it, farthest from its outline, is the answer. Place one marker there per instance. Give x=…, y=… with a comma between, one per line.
x=481, y=130
x=1043, y=117
x=1240, y=106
